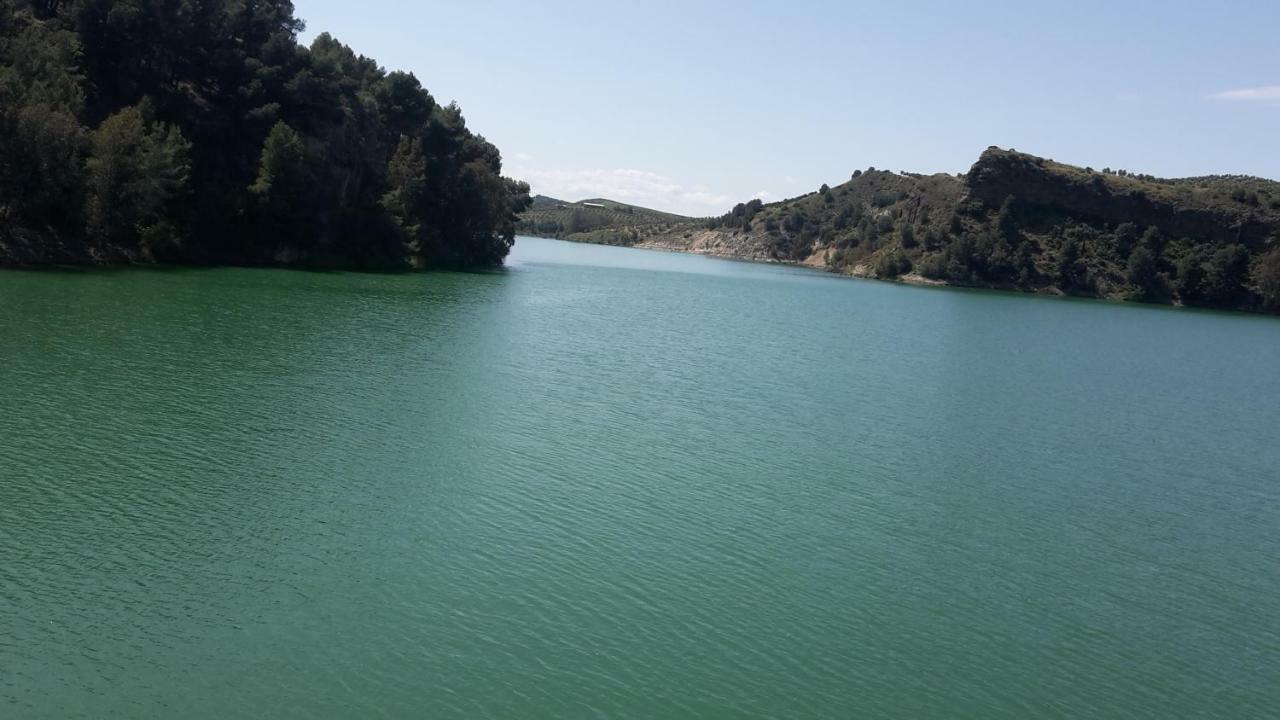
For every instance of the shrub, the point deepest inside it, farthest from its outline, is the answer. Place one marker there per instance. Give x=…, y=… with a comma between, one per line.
x=1143, y=273
x=1225, y=275
x=933, y=266
x=892, y=264
x=1267, y=277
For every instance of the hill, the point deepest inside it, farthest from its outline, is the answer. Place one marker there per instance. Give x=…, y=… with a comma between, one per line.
x=1020, y=222
x=596, y=220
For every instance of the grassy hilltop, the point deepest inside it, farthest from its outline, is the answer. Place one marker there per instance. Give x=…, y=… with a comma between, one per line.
x=1014, y=221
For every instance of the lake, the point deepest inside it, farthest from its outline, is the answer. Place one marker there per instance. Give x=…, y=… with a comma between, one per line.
x=606, y=482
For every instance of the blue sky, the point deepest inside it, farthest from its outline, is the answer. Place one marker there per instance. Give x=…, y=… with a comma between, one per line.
x=694, y=106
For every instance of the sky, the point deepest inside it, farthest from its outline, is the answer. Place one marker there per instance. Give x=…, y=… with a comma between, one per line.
x=694, y=106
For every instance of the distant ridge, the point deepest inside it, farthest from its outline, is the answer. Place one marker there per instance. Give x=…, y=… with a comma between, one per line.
x=1014, y=221
x=596, y=220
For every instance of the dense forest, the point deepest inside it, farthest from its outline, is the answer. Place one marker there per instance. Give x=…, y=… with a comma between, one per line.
x=1020, y=222
x=201, y=131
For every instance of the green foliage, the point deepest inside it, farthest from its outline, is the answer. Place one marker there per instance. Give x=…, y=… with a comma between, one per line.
x=578, y=221
x=885, y=199
x=407, y=190
x=1225, y=276
x=1153, y=240
x=1114, y=234
x=933, y=266
x=137, y=121
x=599, y=220
x=41, y=140
x=1144, y=274
x=282, y=173
x=1007, y=222
x=1267, y=278
x=1191, y=276
x=740, y=217
x=892, y=264
x=1125, y=239
x=134, y=169
x=41, y=178
x=1072, y=272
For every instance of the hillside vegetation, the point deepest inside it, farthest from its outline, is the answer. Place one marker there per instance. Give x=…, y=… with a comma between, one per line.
x=201, y=131
x=1020, y=222
x=596, y=221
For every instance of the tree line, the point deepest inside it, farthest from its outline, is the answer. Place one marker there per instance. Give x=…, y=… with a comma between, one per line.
x=202, y=131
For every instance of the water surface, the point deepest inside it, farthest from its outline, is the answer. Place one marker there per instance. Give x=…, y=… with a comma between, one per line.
x=616, y=483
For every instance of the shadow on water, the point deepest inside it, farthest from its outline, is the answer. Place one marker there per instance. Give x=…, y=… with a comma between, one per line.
x=1014, y=295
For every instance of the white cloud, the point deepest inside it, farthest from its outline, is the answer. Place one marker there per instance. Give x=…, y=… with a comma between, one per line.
x=1263, y=94
x=763, y=196
x=523, y=157
x=638, y=187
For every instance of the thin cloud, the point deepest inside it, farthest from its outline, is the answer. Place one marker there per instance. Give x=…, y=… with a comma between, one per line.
x=763, y=196
x=1262, y=94
x=629, y=185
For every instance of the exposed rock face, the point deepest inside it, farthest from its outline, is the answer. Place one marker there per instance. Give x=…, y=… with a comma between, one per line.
x=1179, y=211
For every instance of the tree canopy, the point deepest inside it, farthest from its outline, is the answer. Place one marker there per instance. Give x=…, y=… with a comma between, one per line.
x=202, y=131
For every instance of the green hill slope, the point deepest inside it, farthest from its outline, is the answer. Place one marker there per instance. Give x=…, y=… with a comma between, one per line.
x=1016, y=222
x=596, y=220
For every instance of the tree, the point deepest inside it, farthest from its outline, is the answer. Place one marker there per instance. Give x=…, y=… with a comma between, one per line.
x=1225, y=275
x=285, y=192
x=1153, y=240
x=1267, y=277
x=892, y=263
x=1071, y=269
x=250, y=147
x=135, y=167
x=1190, y=283
x=1143, y=273
x=42, y=142
x=406, y=194
x=41, y=171
x=1007, y=222
x=1125, y=238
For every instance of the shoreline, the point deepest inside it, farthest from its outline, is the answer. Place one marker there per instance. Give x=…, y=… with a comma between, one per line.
x=913, y=278
x=860, y=272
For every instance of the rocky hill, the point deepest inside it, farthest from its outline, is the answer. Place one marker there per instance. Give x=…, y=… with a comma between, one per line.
x=1018, y=222
x=597, y=220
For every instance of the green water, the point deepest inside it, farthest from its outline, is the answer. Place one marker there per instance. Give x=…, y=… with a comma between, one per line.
x=617, y=483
